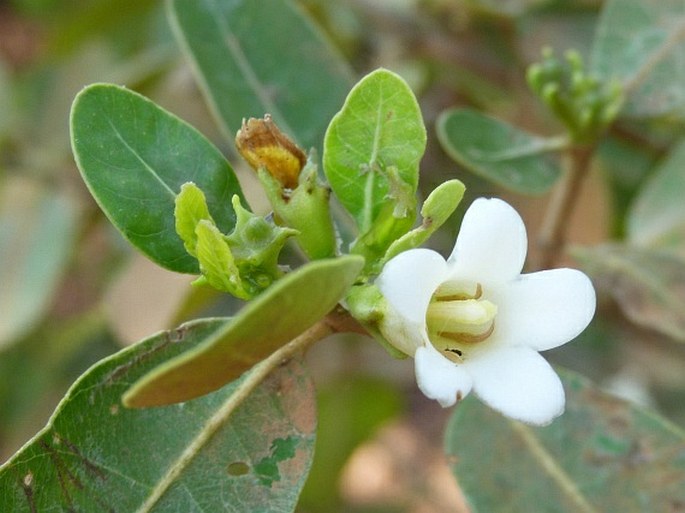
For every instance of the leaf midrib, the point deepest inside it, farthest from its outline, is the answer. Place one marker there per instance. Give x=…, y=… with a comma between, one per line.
x=550, y=466
x=140, y=159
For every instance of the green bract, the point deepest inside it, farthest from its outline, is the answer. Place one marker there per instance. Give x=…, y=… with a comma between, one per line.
x=306, y=209
x=243, y=263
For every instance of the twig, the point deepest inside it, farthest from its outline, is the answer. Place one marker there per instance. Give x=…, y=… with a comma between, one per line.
x=554, y=230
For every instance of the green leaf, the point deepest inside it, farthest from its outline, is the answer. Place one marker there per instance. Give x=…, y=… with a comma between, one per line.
x=437, y=208
x=641, y=43
x=38, y=228
x=379, y=127
x=602, y=455
x=657, y=216
x=499, y=152
x=649, y=285
x=134, y=157
x=245, y=70
x=205, y=455
x=282, y=312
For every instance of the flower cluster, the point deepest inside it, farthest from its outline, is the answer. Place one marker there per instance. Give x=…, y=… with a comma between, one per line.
x=474, y=322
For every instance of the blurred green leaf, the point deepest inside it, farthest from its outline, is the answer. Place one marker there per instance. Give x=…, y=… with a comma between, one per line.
x=641, y=43
x=38, y=370
x=134, y=157
x=73, y=25
x=95, y=455
x=507, y=8
x=254, y=58
x=602, y=455
x=38, y=228
x=379, y=129
x=282, y=312
x=499, y=152
x=624, y=165
x=649, y=285
x=657, y=216
x=6, y=103
x=351, y=409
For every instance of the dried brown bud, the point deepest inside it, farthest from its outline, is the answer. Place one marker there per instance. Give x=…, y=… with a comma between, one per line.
x=262, y=144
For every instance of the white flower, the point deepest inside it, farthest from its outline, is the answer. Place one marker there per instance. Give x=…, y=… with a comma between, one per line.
x=475, y=322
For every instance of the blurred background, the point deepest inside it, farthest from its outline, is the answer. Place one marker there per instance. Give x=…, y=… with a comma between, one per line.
x=73, y=291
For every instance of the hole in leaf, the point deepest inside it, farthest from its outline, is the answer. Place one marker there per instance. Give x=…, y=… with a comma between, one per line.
x=238, y=468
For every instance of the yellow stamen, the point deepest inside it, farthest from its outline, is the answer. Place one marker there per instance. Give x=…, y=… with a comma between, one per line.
x=458, y=317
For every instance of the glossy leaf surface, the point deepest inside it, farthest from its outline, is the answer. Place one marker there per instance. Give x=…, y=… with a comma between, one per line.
x=282, y=312
x=245, y=70
x=380, y=126
x=497, y=151
x=601, y=455
x=200, y=456
x=134, y=157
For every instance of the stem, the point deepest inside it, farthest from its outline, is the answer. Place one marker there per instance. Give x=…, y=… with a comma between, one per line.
x=334, y=321
x=554, y=230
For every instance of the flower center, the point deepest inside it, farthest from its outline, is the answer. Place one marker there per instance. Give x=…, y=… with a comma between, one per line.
x=458, y=317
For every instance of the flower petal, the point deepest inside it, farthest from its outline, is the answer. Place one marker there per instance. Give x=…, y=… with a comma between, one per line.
x=545, y=309
x=519, y=383
x=409, y=280
x=440, y=379
x=491, y=245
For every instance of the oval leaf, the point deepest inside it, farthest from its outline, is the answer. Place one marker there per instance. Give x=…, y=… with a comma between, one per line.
x=649, y=285
x=657, y=216
x=245, y=69
x=134, y=157
x=499, y=152
x=380, y=126
x=602, y=455
x=641, y=43
x=95, y=455
x=37, y=231
x=282, y=312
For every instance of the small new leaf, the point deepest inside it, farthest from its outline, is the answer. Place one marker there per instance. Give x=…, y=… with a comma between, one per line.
x=216, y=260
x=191, y=208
